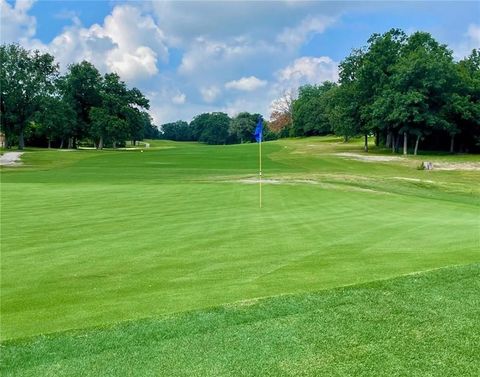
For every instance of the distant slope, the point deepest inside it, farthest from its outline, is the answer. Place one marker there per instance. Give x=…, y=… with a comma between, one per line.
x=418, y=325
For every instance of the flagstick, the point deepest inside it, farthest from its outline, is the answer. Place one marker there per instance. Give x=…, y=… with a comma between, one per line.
x=260, y=172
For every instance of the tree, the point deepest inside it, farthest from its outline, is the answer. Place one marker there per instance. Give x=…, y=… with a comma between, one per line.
x=81, y=89
x=310, y=110
x=342, y=112
x=242, y=126
x=25, y=78
x=281, y=117
x=463, y=108
x=120, y=110
x=56, y=119
x=346, y=102
x=374, y=79
x=423, y=82
x=177, y=131
x=150, y=131
x=211, y=128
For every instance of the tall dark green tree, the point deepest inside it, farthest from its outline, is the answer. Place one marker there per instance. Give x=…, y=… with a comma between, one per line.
x=242, y=127
x=177, y=131
x=211, y=128
x=119, y=115
x=81, y=88
x=310, y=110
x=25, y=78
x=423, y=81
x=56, y=119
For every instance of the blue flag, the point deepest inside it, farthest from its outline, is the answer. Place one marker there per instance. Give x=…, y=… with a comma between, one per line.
x=259, y=130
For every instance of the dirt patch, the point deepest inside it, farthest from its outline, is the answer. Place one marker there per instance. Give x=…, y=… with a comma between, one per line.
x=11, y=159
x=472, y=166
x=414, y=179
x=369, y=158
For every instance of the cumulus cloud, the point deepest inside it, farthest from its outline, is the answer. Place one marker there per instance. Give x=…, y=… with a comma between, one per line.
x=308, y=69
x=247, y=84
x=16, y=25
x=129, y=43
x=470, y=41
x=210, y=93
x=179, y=99
x=293, y=37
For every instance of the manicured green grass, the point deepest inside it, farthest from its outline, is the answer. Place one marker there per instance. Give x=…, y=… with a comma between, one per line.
x=92, y=238
x=418, y=325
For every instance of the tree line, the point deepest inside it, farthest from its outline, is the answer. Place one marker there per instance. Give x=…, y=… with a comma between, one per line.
x=216, y=128
x=42, y=107
x=406, y=90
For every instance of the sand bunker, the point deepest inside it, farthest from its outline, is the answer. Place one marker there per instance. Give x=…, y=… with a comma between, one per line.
x=11, y=159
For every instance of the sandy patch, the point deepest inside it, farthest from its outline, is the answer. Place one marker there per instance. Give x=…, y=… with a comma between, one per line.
x=369, y=158
x=472, y=166
x=414, y=179
x=11, y=159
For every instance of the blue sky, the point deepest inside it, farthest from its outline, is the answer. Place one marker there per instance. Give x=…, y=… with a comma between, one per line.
x=193, y=57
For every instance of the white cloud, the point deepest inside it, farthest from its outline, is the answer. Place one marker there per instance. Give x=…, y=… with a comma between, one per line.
x=247, y=84
x=128, y=43
x=16, y=25
x=474, y=34
x=210, y=94
x=179, y=99
x=308, y=69
x=296, y=36
x=470, y=41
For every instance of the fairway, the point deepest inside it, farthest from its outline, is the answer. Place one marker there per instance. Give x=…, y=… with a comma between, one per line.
x=93, y=238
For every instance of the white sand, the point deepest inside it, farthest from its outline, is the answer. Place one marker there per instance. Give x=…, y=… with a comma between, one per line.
x=10, y=159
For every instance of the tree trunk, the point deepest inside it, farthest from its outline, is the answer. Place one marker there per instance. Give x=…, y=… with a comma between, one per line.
x=394, y=143
x=397, y=142
x=100, y=143
x=377, y=138
x=61, y=143
x=114, y=143
x=49, y=144
x=366, y=143
x=70, y=143
x=416, y=145
x=21, y=140
x=389, y=140
x=452, y=143
x=405, y=141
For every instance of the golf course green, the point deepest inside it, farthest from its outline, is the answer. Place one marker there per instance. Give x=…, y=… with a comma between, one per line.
x=160, y=262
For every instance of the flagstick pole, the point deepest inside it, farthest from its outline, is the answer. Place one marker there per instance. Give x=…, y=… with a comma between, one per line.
x=260, y=172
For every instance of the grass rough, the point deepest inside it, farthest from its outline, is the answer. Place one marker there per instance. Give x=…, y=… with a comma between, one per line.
x=418, y=325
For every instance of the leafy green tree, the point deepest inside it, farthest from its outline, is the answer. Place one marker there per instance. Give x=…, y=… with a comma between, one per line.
x=211, y=128
x=242, y=127
x=310, y=110
x=423, y=81
x=345, y=102
x=150, y=131
x=120, y=111
x=56, y=120
x=342, y=112
x=374, y=76
x=177, y=131
x=463, y=108
x=25, y=78
x=81, y=89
